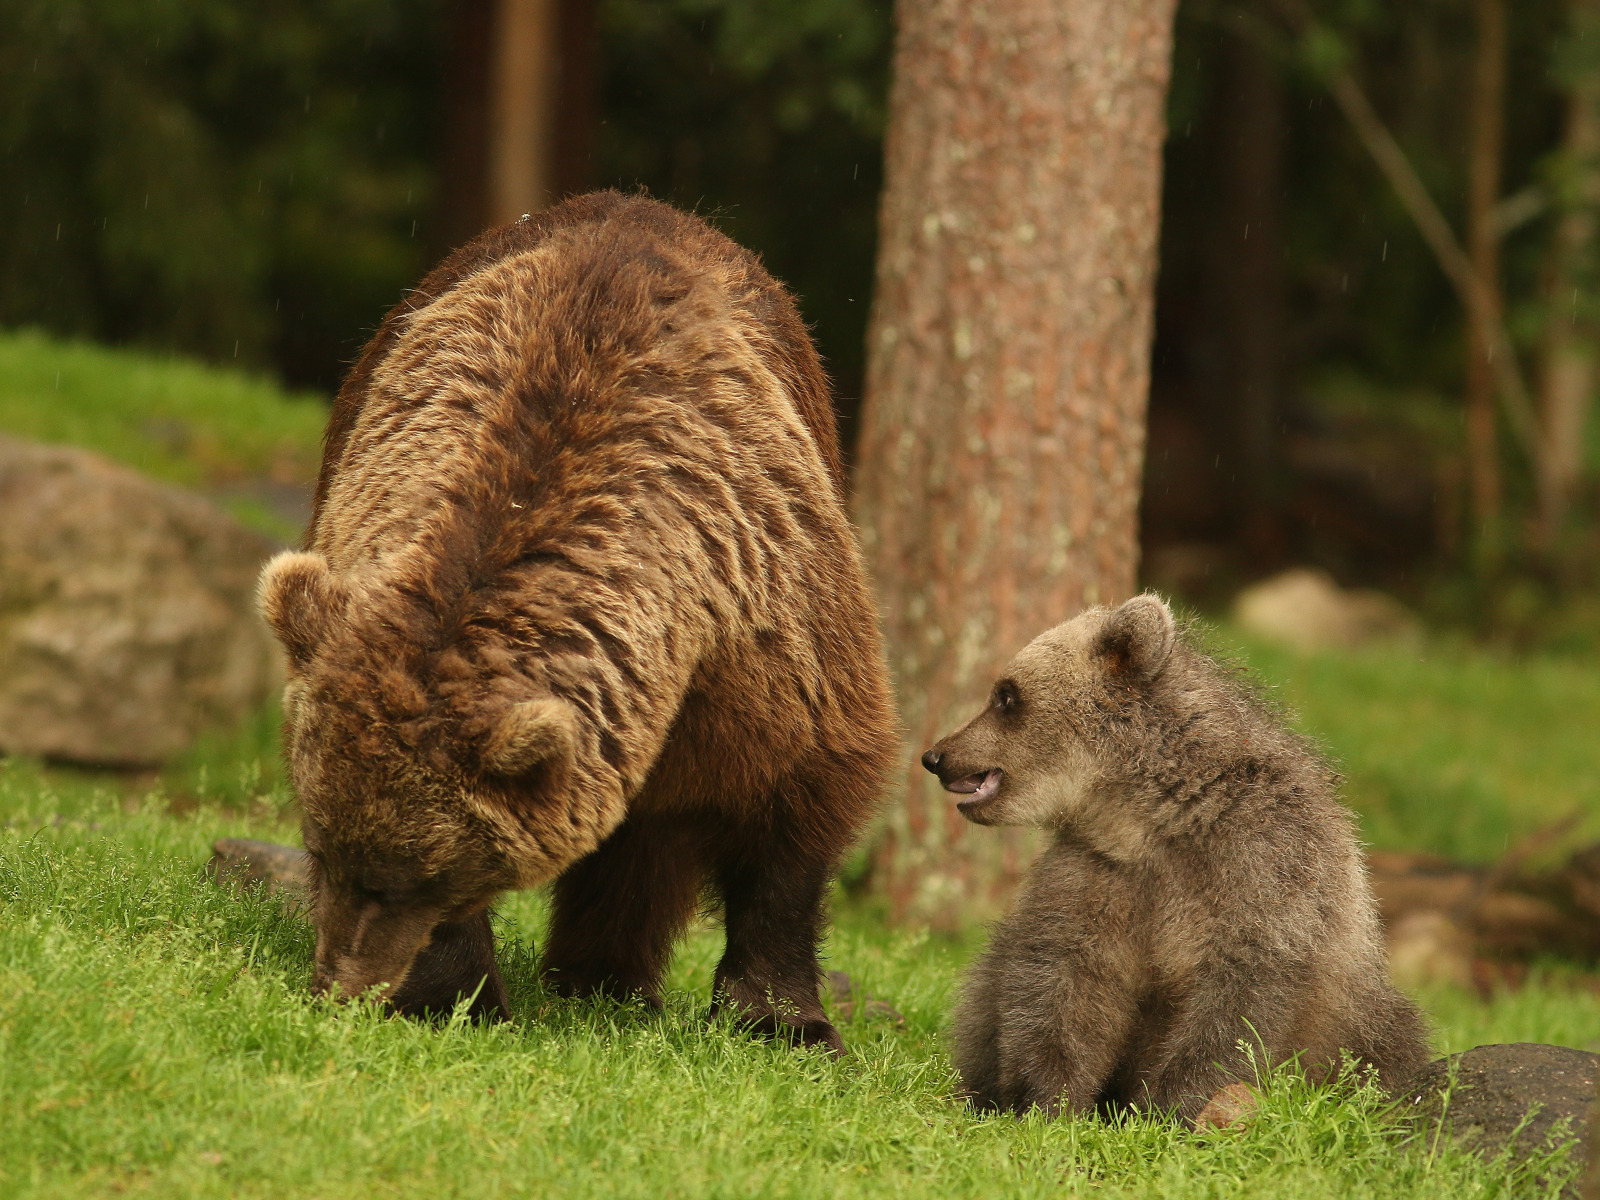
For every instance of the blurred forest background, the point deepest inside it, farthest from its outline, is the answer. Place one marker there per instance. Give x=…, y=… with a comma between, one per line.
x=257, y=184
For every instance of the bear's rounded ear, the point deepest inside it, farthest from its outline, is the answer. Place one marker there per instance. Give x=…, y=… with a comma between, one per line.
x=300, y=600
x=530, y=733
x=1137, y=638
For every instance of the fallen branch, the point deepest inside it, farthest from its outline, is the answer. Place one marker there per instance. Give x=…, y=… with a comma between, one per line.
x=1506, y=912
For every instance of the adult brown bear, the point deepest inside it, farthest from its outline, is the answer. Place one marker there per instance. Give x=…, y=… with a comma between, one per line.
x=580, y=601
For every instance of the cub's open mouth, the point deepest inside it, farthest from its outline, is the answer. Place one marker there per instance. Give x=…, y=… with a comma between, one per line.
x=979, y=788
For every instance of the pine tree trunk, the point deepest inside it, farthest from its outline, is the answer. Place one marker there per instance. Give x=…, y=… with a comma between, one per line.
x=1567, y=353
x=522, y=103
x=519, y=100
x=577, y=101
x=1008, y=366
x=1250, y=278
x=463, y=200
x=1483, y=247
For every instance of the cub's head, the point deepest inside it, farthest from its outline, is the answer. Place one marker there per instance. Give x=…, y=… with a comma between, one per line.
x=1054, y=728
x=415, y=773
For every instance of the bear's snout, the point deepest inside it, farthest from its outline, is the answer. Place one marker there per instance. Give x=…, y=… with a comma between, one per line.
x=978, y=787
x=363, y=944
x=938, y=762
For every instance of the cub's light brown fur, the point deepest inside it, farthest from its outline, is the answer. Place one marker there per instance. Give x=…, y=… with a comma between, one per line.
x=580, y=601
x=1204, y=885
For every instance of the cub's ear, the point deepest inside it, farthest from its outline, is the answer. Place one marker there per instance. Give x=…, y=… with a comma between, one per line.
x=530, y=733
x=1137, y=638
x=300, y=600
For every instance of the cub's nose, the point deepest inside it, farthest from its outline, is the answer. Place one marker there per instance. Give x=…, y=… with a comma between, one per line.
x=930, y=760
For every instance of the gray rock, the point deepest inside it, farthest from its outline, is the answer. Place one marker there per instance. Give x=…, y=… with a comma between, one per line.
x=1525, y=1096
x=127, y=615
x=1304, y=608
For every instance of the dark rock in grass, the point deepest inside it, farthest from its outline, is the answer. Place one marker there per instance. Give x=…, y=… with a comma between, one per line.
x=243, y=861
x=846, y=998
x=1525, y=1096
x=127, y=612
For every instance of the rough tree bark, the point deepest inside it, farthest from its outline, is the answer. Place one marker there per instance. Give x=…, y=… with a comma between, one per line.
x=1483, y=248
x=1003, y=433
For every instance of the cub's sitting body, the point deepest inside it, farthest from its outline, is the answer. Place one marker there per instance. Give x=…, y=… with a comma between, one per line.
x=1204, y=885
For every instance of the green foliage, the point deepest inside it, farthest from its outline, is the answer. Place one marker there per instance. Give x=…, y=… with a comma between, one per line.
x=1378, y=490
x=236, y=181
x=766, y=117
x=255, y=182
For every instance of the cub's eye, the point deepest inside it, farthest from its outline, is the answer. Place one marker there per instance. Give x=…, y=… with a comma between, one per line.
x=1006, y=698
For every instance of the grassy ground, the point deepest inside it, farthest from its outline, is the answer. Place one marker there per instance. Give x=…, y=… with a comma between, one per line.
x=156, y=1035
x=1447, y=748
x=226, y=432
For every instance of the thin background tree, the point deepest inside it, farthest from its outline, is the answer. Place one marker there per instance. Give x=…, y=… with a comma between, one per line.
x=519, y=100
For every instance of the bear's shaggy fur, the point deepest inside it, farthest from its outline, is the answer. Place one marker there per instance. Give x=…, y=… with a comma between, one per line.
x=580, y=601
x=1204, y=884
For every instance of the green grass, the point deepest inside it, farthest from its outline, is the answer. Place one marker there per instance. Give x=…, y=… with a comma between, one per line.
x=1449, y=748
x=156, y=1037
x=178, y=420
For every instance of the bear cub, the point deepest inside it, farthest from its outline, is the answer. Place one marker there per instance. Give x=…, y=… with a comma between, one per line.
x=1204, y=885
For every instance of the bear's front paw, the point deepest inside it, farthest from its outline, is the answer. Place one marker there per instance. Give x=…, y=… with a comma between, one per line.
x=575, y=983
x=817, y=1032
x=799, y=1021
x=822, y=1033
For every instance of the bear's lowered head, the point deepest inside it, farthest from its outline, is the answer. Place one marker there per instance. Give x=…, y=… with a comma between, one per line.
x=424, y=767
x=1052, y=747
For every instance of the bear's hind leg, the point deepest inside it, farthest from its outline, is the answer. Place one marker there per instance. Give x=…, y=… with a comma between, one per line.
x=772, y=891
x=1232, y=999
x=618, y=911
x=1392, y=1038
